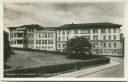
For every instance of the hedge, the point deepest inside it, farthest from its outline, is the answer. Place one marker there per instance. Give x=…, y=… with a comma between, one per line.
x=42, y=71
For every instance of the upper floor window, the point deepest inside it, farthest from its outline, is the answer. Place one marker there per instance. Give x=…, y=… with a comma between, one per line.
x=67, y=38
x=45, y=35
x=85, y=31
x=109, y=44
x=63, y=38
x=59, y=38
x=37, y=42
x=114, y=37
x=109, y=37
x=114, y=30
x=95, y=31
x=51, y=35
x=95, y=37
x=59, y=46
x=19, y=41
x=68, y=32
x=109, y=30
x=104, y=37
x=63, y=32
x=59, y=32
x=103, y=31
x=104, y=44
x=114, y=44
x=75, y=31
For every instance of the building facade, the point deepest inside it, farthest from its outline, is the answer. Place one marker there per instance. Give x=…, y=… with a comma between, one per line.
x=45, y=40
x=104, y=37
x=23, y=36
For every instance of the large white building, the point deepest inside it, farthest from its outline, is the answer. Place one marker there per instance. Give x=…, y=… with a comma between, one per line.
x=23, y=36
x=105, y=37
x=45, y=40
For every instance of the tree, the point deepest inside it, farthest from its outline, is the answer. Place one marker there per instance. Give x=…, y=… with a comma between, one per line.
x=78, y=47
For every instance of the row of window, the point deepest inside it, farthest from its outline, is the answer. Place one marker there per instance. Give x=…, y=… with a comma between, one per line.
x=44, y=47
x=44, y=41
x=17, y=42
x=44, y=35
x=87, y=31
x=95, y=37
x=61, y=45
x=106, y=45
x=108, y=51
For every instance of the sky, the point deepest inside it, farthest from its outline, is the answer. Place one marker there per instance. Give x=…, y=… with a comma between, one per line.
x=57, y=14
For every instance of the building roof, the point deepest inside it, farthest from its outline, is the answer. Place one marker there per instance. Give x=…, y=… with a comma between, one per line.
x=89, y=25
x=28, y=26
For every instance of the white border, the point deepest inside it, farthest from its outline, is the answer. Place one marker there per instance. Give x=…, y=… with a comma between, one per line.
x=65, y=1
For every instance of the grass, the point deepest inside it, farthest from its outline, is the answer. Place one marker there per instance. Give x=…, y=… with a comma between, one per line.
x=28, y=59
x=25, y=62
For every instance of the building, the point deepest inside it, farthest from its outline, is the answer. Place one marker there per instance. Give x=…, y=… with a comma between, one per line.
x=45, y=40
x=105, y=37
x=23, y=36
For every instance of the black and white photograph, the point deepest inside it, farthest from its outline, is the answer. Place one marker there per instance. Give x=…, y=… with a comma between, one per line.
x=64, y=40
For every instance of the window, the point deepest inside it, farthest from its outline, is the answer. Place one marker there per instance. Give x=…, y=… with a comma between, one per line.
x=63, y=45
x=59, y=38
x=85, y=31
x=95, y=44
x=63, y=32
x=63, y=38
x=59, y=32
x=45, y=41
x=51, y=35
x=67, y=38
x=14, y=42
x=59, y=46
x=39, y=35
x=114, y=30
x=45, y=35
x=109, y=30
x=114, y=44
x=104, y=44
x=103, y=31
x=114, y=37
x=20, y=35
x=19, y=41
x=67, y=32
x=42, y=47
x=75, y=31
x=95, y=37
x=51, y=41
x=48, y=35
x=95, y=31
x=39, y=41
x=109, y=44
x=109, y=37
x=104, y=37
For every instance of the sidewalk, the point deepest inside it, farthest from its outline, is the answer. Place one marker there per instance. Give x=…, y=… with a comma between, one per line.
x=83, y=72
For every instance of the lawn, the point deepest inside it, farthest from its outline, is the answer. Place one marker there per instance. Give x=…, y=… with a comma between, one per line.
x=28, y=59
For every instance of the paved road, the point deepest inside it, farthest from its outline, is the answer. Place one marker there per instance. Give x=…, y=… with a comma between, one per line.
x=116, y=71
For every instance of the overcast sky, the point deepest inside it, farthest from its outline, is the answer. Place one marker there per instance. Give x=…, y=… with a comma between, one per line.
x=56, y=14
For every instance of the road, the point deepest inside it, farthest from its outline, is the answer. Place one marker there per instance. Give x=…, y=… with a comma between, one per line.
x=115, y=71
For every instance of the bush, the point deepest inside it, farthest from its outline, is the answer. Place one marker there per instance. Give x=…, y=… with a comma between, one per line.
x=78, y=47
